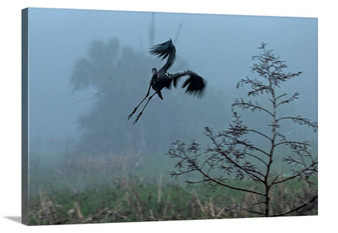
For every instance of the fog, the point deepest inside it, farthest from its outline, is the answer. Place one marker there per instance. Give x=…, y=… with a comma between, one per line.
x=73, y=114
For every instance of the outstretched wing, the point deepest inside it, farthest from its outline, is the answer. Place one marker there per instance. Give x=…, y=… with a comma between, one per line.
x=164, y=50
x=195, y=84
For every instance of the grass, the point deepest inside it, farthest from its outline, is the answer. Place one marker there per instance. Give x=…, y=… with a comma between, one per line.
x=126, y=199
x=70, y=194
x=131, y=198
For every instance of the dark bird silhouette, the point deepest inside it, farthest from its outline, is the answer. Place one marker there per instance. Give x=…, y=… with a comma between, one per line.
x=160, y=79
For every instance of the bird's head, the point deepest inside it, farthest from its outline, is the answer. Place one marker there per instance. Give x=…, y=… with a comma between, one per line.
x=154, y=71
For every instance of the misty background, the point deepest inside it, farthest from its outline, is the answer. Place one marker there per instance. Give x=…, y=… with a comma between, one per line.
x=89, y=69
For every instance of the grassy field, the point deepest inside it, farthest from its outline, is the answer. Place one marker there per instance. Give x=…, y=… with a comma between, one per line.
x=96, y=192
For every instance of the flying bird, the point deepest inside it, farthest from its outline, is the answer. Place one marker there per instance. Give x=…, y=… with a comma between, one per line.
x=195, y=84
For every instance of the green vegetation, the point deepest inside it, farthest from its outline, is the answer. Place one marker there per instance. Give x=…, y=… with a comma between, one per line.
x=133, y=198
x=88, y=196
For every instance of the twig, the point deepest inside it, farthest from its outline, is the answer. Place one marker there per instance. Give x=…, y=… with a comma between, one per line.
x=298, y=208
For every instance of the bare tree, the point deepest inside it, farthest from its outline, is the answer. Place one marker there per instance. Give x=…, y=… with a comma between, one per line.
x=231, y=154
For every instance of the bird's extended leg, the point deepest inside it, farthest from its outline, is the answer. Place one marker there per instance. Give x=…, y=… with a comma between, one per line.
x=135, y=109
x=139, y=115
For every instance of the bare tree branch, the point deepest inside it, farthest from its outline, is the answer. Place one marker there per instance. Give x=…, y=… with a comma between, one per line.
x=296, y=175
x=253, y=212
x=256, y=157
x=291, y=99
x=208, y=178
x=231, y=155
x=259, y=133
x=249, y=105
x=300, y=120
x=297, y=208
